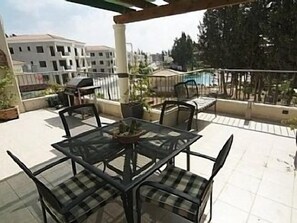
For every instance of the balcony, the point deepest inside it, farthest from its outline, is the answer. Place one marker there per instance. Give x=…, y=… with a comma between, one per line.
x=63, y=54
x=257, y=183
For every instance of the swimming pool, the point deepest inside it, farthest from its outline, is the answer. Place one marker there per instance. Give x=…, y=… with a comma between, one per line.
x=203, y=78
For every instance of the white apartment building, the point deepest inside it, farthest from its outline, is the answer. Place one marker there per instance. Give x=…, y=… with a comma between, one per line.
x=137, y=57
x=49, y=53
x=102, y=59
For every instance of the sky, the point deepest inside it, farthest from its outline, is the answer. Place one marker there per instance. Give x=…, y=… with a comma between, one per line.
x=93, y=26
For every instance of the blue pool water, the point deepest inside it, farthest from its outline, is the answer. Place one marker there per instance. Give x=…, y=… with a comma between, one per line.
x=203, y=78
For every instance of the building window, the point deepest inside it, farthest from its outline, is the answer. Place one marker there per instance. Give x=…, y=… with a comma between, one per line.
x=70, y=62
x=69, y=49
x=102, y=70
x=93, y=62
x=11, y=50
x=101, y=62
x=28, y=48
x=82, y=52
x=111, y=62
x=20, y=49
x=42, y=63
x=100, y=54
x=92, y=54
x=39, y=49
x=107, y=55
x=110, y=53
x=94, y=70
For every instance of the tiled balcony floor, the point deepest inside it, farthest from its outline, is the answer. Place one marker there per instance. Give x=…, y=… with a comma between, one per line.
x=257, y=184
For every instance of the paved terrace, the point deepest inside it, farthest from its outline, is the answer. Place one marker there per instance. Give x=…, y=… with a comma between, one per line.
x=257, y=184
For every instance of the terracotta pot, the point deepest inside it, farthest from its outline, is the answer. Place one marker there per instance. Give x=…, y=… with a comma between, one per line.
x=128, y=139
x=9, y=113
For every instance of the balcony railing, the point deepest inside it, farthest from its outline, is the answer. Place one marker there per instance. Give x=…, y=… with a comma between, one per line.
x=263, y=86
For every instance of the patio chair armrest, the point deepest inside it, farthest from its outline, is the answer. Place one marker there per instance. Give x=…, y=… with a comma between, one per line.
x=199, y=155
x=169, y=190
x=50, y=165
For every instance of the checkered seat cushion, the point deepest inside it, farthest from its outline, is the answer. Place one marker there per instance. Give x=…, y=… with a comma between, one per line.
x=202, y=103
x=179, y=180
x=71, y=189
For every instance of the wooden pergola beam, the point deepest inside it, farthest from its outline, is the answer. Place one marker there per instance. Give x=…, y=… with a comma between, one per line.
x=103, y=5
x=173, y=8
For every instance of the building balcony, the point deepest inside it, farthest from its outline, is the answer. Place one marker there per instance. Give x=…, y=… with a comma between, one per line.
x=63, y=54
x=257, y=183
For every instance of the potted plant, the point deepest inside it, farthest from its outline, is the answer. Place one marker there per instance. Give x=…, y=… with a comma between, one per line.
x=7, y=110
x=128, y=133
x=59, y=99
x=138, y=100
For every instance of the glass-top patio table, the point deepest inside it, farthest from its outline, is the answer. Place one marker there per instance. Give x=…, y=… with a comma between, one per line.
x=126, y=165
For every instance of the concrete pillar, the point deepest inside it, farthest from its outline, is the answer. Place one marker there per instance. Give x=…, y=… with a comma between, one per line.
x=248, y=111
x=14, y=89
x=121, y=61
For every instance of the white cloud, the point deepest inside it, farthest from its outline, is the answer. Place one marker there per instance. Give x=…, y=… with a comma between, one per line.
x=35, y=7
x=95, y=26
x=159, y=34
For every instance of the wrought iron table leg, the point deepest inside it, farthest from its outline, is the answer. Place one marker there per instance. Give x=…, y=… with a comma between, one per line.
x=127, y=199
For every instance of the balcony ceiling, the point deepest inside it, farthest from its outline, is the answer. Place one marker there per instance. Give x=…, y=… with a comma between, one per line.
x=139, y=10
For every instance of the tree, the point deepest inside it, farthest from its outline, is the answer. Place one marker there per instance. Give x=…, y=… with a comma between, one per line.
x=182, y=51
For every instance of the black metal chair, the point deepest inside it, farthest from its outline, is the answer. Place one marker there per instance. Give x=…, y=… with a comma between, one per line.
x=181, y=92
x=177, y=114
x=79, y=118
x=75, y=199
x=182, y=192
x=192, y=96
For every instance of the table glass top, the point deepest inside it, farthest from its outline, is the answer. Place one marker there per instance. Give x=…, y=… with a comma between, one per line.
x=127, y=163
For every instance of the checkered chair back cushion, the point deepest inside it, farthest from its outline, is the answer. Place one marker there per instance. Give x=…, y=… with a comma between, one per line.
x=180, y=180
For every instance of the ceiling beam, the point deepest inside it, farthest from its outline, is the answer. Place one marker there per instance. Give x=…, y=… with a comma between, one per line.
x=174, y=8
x=103, y=5
x=139, y=3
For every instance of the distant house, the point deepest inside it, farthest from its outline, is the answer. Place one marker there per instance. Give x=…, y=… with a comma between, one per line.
x=49, y=53
x=102, y=59
x=163, y=81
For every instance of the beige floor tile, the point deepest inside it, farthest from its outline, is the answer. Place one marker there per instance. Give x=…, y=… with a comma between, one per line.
x=295, y=193
x=18, y=215
x=271, y=211
x=244, y=181
x=251, y=169
x=218, y=187
x=237, y=197
x=294, y=216
x=276, y=192
x=254, y=156
x=225, y=213
x=279, y=164
x=285, y=179
x=255, y=219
